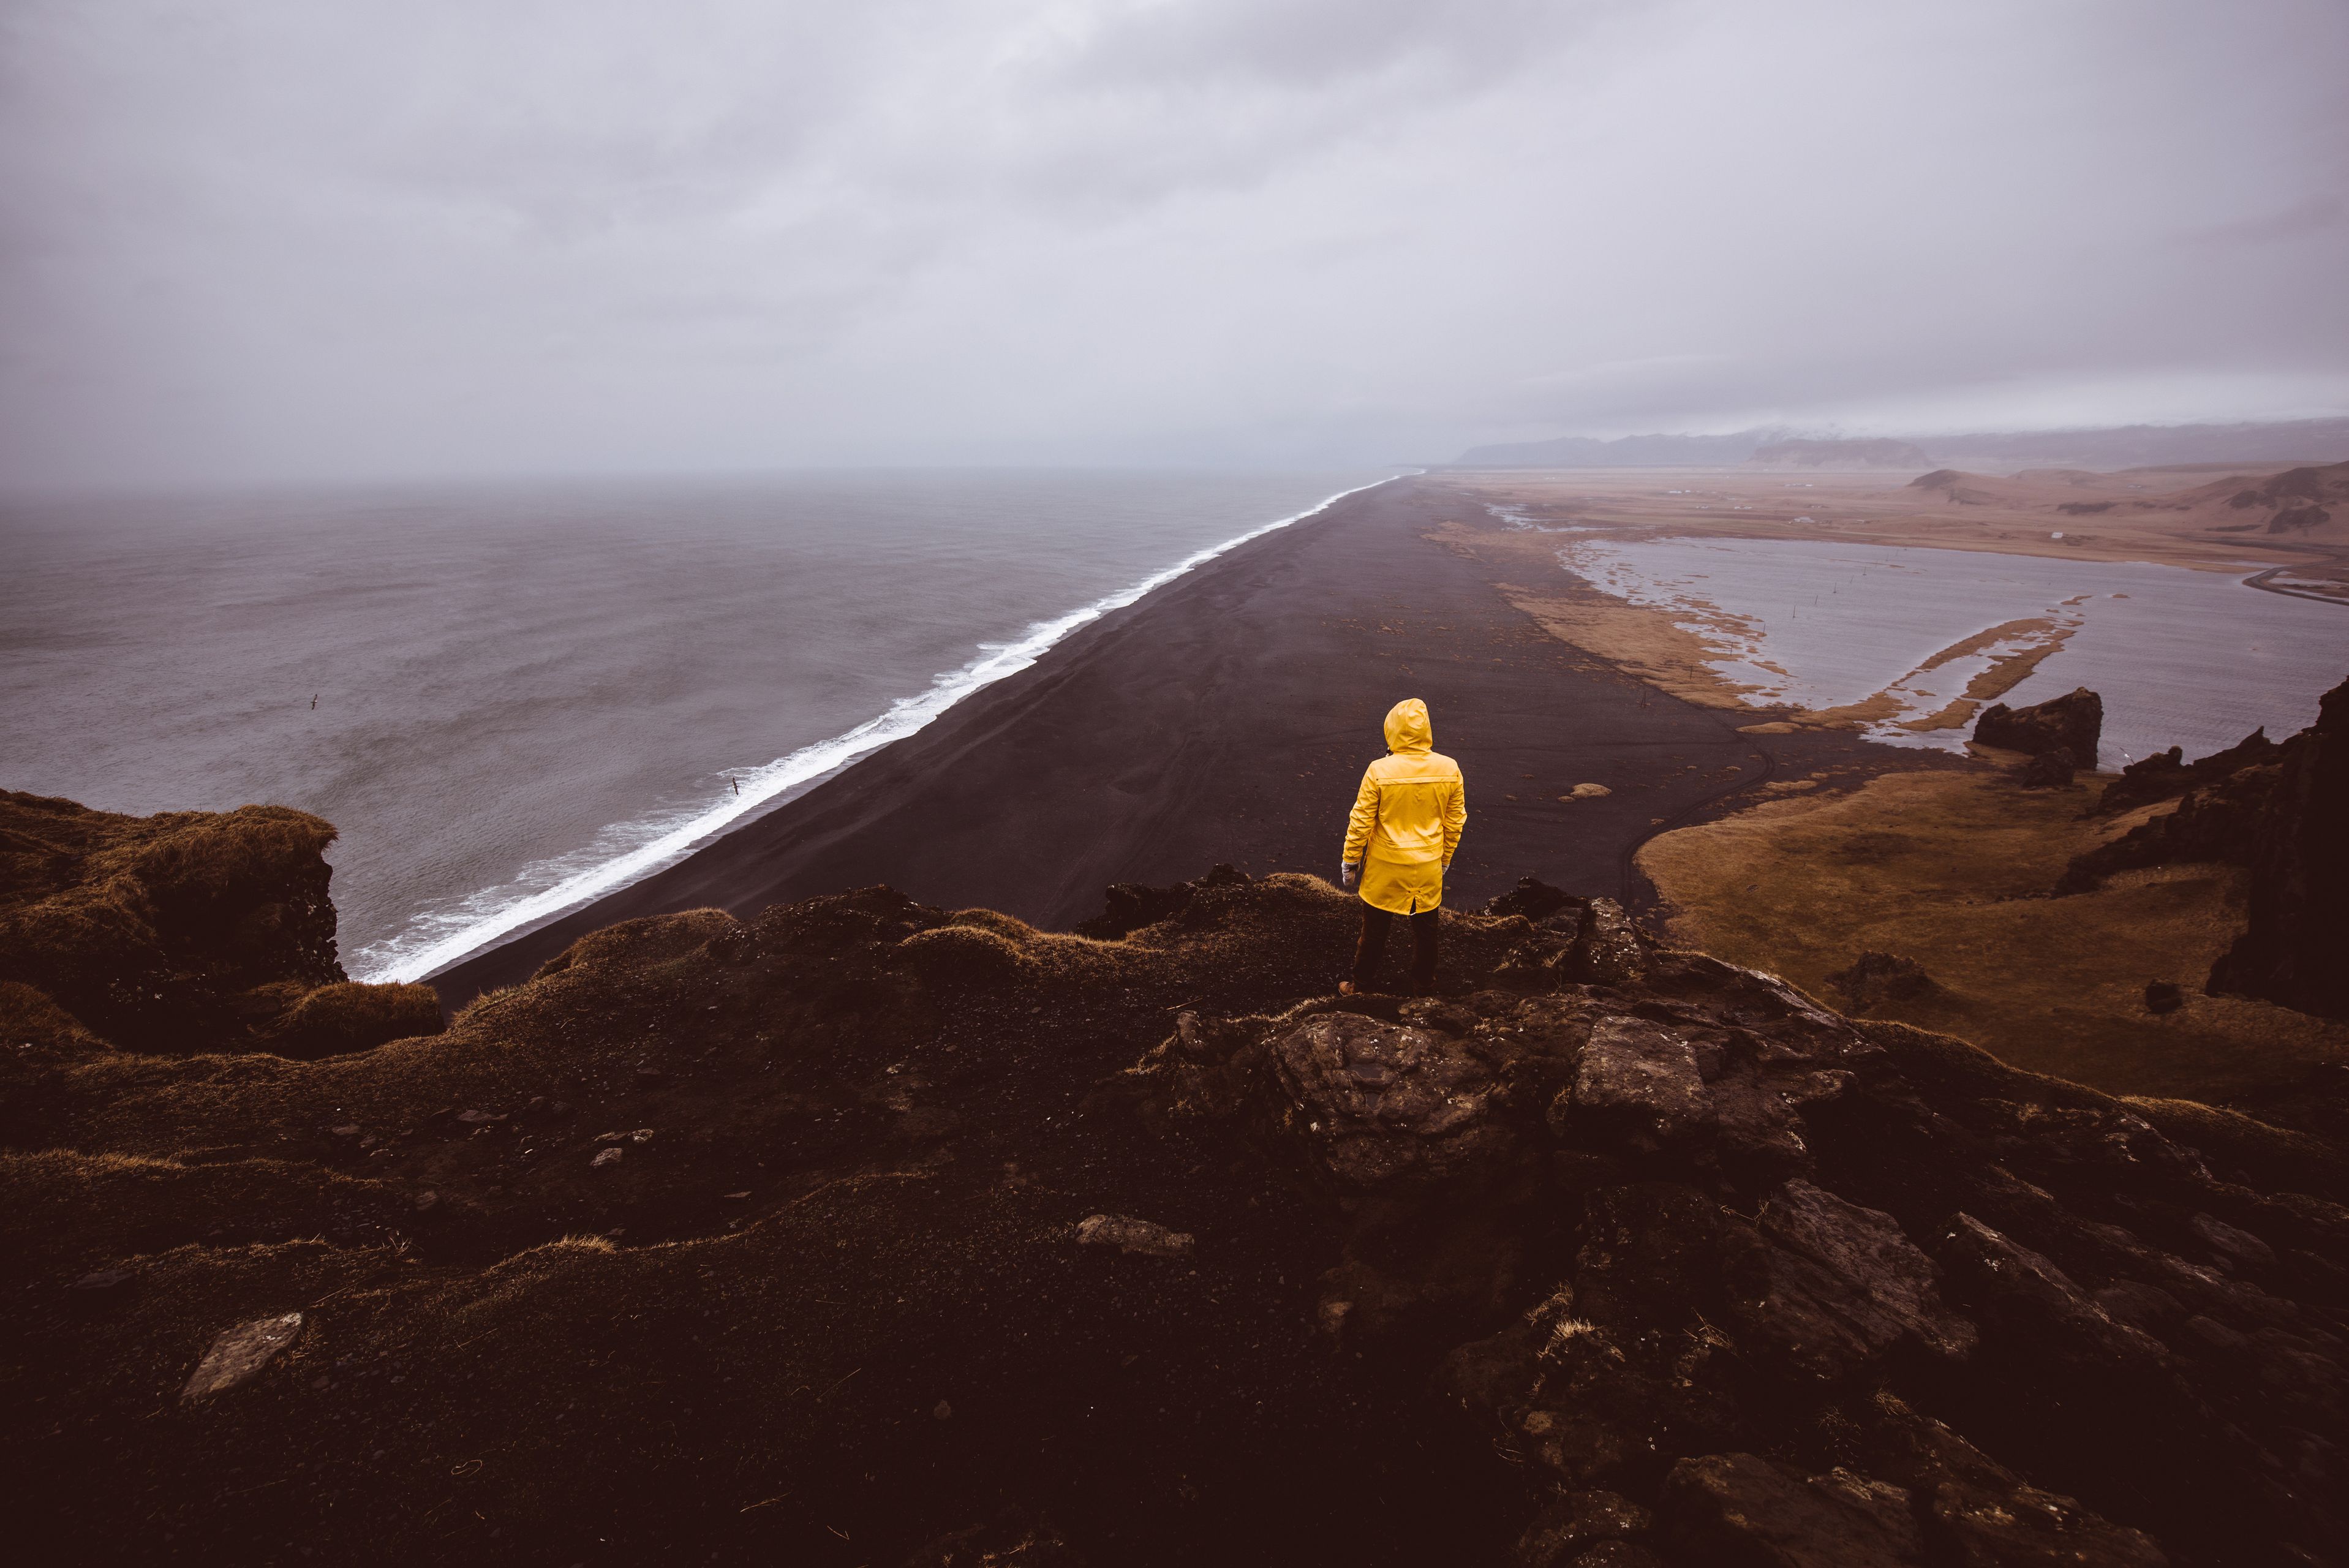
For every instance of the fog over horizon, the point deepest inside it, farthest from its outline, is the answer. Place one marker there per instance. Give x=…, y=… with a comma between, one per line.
x=272, y=240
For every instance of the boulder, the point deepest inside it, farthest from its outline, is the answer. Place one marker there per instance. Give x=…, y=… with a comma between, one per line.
x=240, y=1353
x=1874, y=978
x=1131, y=1235
x=2073, y=721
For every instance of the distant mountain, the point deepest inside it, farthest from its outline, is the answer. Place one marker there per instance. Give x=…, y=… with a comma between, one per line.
x=1879, y=453
x=2126, y=447
x=2146, y=445
x=1624, y=452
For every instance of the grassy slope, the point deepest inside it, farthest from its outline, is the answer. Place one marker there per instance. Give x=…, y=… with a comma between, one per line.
x=1953, y=869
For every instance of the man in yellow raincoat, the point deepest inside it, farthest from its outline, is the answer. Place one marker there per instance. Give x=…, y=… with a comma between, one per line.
x=1399, y=840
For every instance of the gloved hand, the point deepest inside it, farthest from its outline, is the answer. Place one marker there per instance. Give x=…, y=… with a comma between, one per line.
x=1348, y=870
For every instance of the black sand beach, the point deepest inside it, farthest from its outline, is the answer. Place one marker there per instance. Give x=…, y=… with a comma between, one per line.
x=1228, y=718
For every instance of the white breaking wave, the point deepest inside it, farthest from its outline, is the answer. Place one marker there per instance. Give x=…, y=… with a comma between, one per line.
x=631, y=852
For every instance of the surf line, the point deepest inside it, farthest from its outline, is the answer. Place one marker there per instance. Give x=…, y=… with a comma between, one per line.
x=481, y=921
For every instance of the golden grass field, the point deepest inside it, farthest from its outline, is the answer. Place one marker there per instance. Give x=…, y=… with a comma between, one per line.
x=1952, y=869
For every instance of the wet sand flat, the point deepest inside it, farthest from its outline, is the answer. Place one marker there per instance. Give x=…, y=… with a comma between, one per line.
x=1228, y=718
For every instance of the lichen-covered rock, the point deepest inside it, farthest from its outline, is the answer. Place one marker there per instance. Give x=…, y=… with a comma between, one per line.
x=1378, y=1104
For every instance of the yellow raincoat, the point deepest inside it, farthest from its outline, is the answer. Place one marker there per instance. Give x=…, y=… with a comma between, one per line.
x=1407, y=817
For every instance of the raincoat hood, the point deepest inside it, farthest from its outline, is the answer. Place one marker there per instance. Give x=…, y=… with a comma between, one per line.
x=1407, y=727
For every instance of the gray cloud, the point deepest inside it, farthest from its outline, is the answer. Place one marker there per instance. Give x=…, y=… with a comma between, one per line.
x=270, y=238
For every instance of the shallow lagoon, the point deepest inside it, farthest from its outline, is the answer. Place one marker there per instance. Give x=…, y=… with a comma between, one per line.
x=2184, y=658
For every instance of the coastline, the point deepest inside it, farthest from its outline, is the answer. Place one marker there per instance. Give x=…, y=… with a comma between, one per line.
x=775, y=783
x=1227, y=717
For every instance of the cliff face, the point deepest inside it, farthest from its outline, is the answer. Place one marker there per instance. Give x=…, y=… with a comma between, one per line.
x=193, y=930
x=2281, y=811
x=2296, y=949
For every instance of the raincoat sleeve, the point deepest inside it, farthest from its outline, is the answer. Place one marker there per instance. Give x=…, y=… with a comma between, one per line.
x=1364, y=817
x=1455, y=816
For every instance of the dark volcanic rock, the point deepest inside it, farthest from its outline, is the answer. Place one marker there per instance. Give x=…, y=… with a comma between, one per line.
x=1130, y=906
x=2073, y=721
x=2164, y=776
x=1534, y=898
x=1617, y=1257
x=1588, y=940
x=2049, y=770
x=1567, y=1529
x=1738, y=1509
x=1378, y=1103
x=1737, y=1216
x=2293, y=950
x=2219, y=822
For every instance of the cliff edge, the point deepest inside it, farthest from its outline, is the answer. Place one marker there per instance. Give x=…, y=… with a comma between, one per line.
x=871, y=1233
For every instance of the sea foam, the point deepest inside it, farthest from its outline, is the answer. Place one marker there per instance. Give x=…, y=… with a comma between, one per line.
x=629, y=851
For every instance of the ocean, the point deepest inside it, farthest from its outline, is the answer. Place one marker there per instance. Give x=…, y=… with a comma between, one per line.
x=511, y=697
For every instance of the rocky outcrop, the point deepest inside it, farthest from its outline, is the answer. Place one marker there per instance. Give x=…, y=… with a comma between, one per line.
x=1718, y=1221
x=2073, y=722
x=2292, y=950
x=2216, y=822
x=187, y=932
x=868, y=1231
x=2164, y=774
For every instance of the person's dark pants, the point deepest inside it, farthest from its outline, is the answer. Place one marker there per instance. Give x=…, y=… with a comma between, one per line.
x=1374, y=946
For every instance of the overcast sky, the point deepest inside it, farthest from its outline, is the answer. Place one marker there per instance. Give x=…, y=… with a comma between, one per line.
x=318, y=238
